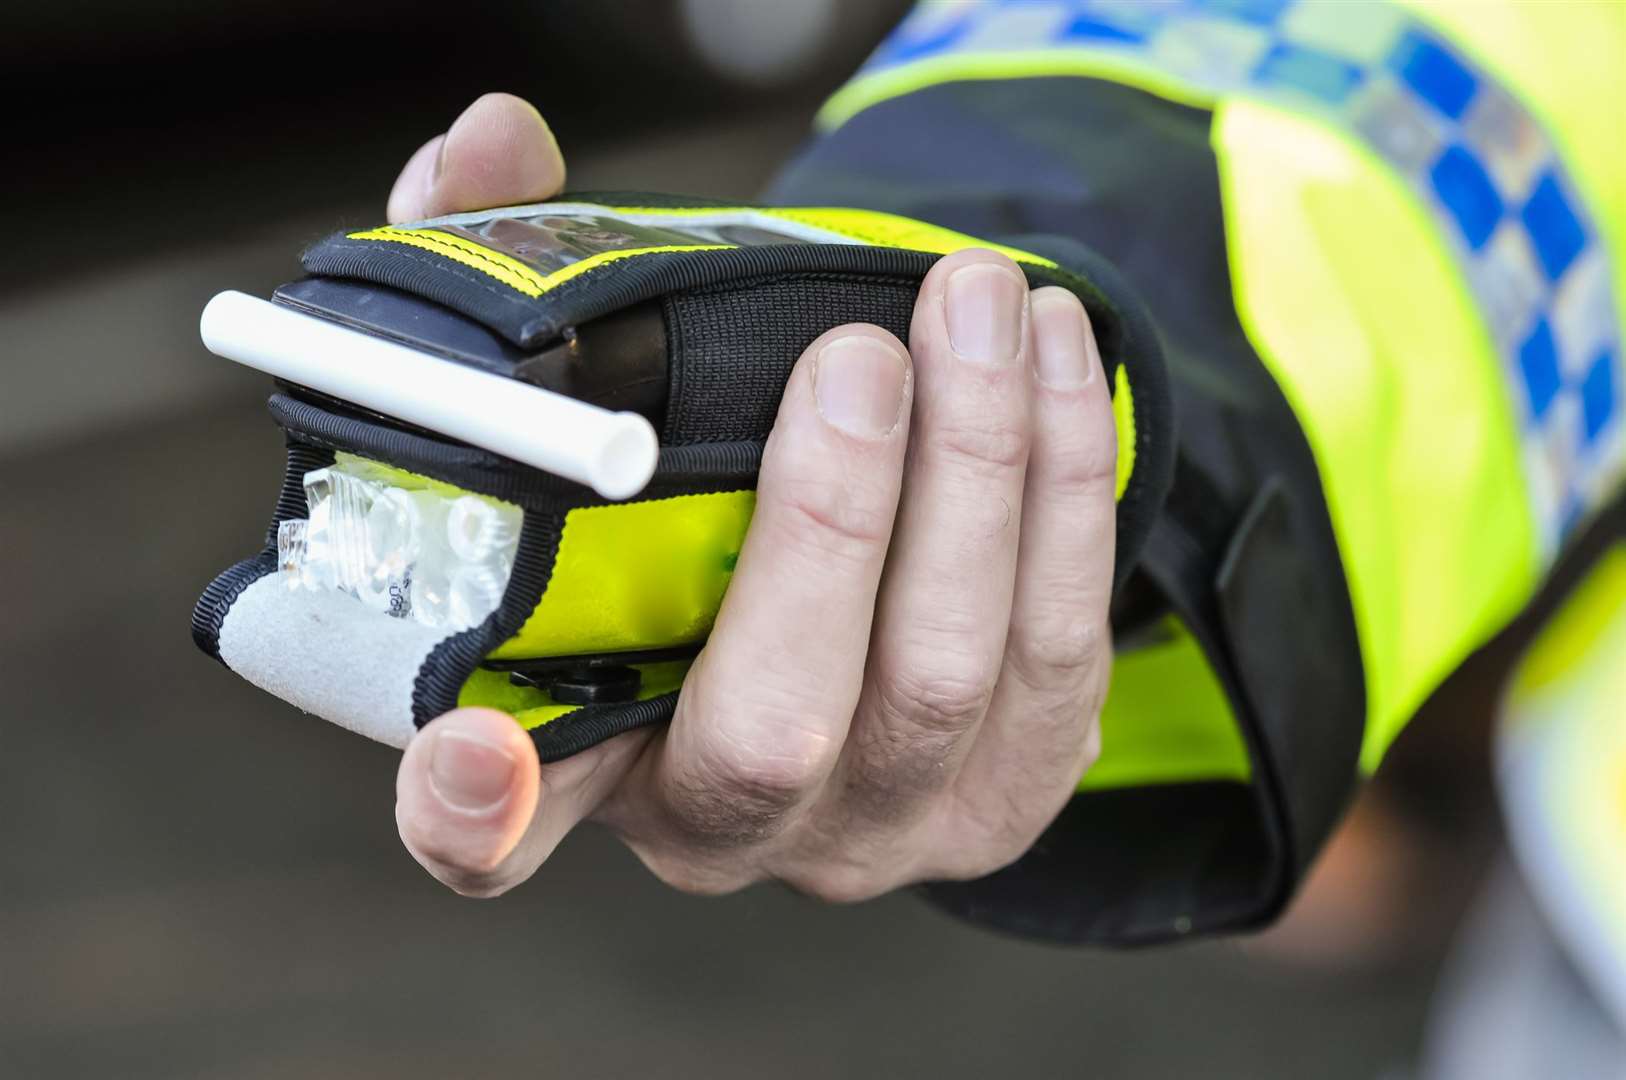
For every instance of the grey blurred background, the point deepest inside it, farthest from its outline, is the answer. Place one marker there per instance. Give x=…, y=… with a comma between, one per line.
x=198, y=881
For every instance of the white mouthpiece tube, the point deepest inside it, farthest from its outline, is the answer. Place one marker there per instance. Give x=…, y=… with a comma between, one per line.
x=612, y=452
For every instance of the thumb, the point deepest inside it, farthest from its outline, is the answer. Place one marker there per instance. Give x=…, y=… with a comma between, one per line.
x=498, y=152
x=478, y=810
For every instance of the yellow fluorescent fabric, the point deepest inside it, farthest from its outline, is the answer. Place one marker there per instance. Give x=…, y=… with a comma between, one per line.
x=533, y=707
x=1158, y=725
x=1386, y=360
x=636, y=575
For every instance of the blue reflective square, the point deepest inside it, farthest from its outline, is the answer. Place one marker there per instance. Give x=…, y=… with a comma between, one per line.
x=1438, y=77
x=1538, y=360
x=1092, y=29
x=1555, y=232
x=1598, y=395
x=1319, y=74
x=1466, y=190
x=1263, y=12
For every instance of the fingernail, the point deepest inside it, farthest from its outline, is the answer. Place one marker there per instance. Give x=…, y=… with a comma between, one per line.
x=858, y=385
x=1066, y=357
x=984, y=313
x=469, y=773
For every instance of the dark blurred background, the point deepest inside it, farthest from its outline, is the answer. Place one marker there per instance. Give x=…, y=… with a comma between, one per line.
x=198, y=881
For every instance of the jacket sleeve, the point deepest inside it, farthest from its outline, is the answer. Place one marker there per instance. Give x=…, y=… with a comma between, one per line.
x=1295, y=601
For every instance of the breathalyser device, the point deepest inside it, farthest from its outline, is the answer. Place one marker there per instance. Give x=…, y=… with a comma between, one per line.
x=522, y=445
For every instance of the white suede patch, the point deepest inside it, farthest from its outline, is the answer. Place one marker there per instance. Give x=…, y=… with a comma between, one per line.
x=329, y=655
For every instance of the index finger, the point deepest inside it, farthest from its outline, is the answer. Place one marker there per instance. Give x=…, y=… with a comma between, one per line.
x=764, y=713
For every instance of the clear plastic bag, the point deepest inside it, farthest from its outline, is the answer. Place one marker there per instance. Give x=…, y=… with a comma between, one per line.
x=429, y=553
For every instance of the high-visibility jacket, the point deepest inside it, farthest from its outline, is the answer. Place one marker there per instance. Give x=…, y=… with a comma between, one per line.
x=1382, y=247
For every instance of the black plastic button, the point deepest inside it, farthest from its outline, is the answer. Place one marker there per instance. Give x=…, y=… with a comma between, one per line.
x=587, y=685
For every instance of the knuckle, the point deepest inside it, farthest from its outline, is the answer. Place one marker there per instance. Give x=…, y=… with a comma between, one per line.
x=1087, y=467
x=737, y=794
x=839, y=519
x=1062, y=648
x=772, y=782
x=934, y=702
x=982, y=447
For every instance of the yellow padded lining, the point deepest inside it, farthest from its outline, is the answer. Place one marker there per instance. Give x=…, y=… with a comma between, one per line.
x=640, y=575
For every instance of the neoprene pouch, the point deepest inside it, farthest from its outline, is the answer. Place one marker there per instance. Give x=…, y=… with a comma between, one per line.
x=691, y=312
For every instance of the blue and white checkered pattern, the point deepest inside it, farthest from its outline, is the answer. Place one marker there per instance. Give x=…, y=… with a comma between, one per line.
x=1470, y=151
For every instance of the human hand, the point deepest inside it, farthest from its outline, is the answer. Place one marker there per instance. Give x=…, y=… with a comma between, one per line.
x=904, y=679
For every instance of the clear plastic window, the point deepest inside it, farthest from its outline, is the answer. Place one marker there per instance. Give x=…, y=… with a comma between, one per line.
x=404, y=545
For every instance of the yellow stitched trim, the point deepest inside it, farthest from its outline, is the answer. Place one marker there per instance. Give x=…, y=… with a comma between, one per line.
x=559, y=277
x=510, y=271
